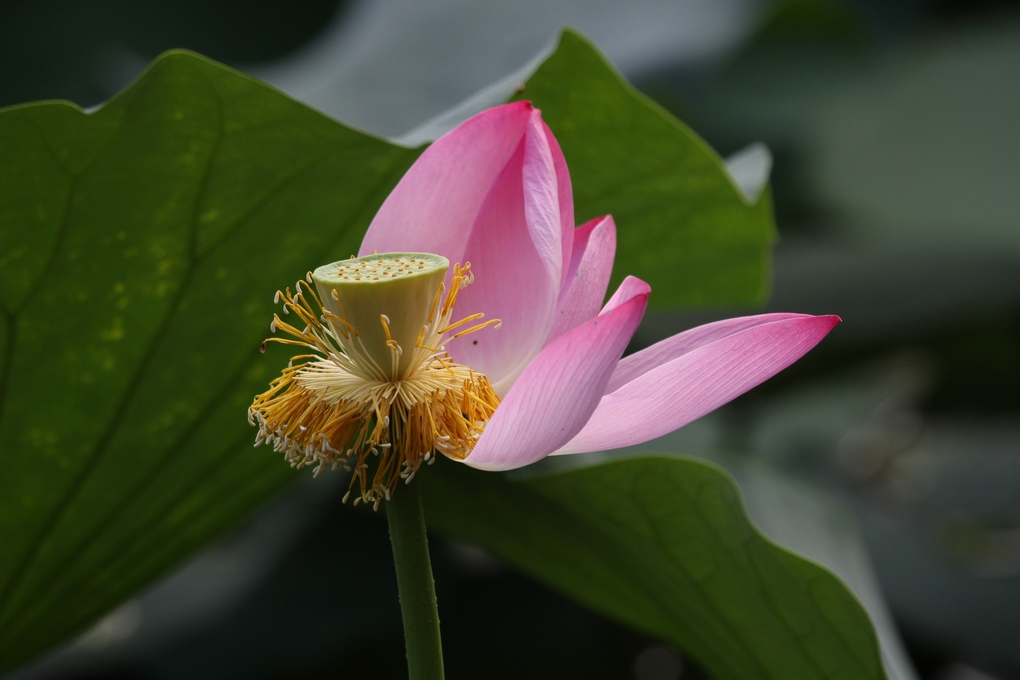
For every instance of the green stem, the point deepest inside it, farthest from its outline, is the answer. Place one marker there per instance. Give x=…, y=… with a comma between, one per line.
x=415, y=584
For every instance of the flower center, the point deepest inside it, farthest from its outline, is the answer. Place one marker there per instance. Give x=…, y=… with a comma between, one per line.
x=379, y=395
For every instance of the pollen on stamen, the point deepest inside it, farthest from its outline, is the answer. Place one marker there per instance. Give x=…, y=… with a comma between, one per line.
x=325, y=411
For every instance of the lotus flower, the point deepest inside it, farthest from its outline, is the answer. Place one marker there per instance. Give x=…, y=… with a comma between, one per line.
x=495, y=193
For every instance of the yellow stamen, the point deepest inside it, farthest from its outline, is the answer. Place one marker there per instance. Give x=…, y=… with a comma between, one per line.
x=338, y=407
x=495, y=323
x=463, y=321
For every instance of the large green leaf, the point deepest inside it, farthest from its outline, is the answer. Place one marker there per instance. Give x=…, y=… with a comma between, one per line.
x=140, y=246
x=682, y=224
x=664, y=545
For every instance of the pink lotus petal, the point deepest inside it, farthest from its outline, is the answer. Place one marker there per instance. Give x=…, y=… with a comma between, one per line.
x=628, y=288
x=667, y=397
x=630, y=367
x=560, y=389
x=587, y=276
x=514, y=251
x=542, y=200
x=566, y=196
x=435, y=205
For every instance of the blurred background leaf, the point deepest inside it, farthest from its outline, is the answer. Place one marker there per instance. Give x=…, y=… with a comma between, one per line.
x=87, y=52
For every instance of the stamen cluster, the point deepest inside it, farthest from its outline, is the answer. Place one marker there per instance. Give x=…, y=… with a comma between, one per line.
x=339, y=407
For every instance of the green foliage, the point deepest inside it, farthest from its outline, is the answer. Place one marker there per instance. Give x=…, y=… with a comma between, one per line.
x=664, y=545
x=140, y=246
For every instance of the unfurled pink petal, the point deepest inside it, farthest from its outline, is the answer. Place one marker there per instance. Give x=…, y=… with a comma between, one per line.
x=558, y=391
x=591, y=265
x=542, y=199
x=435, y=205
x=630, y=367
x=664, y=398
x=630, y=287
x=566, y=196
x=514, y=250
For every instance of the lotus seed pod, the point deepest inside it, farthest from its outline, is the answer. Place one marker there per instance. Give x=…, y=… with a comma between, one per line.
x=382, y=302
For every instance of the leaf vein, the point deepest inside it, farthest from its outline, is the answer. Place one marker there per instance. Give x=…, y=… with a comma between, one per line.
x=99, y=450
